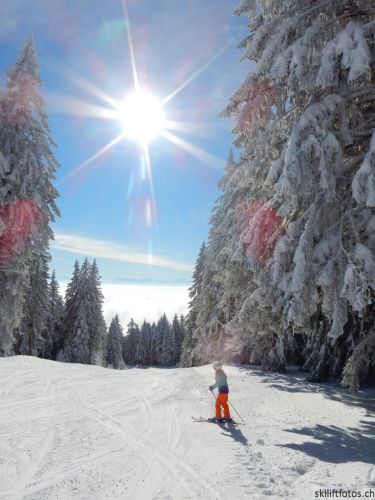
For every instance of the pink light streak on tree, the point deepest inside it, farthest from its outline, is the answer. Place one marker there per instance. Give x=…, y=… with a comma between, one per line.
x=18, y=221
x=261, y=227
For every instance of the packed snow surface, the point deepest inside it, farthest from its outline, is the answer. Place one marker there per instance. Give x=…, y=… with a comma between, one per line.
x=84, y=432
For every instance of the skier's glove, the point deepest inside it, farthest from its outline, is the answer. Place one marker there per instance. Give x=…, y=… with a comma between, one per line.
x=211, y=387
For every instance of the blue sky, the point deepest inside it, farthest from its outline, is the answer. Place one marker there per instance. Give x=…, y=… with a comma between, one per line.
x=83, y=43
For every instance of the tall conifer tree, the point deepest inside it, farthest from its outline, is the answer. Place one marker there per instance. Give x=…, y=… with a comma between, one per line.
x=143, y=354
x=191, y=338
x=35, y=310
x=169, y=346
x=300, y=201
x=178, y=326
x=95, y=320
x=84, y=326
x=130, y=343
x=114, y=344
x=53, y=333
x=27, y=203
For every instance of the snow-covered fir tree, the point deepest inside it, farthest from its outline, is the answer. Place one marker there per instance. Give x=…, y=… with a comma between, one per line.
x=153, y=344
x=79, y=345
x=71, y=309
x=35, y=309
x=178, y=327
x=130, y=343
x=169, y=355
x=114, y=344
x=143, y=355
x=77, y=349
x=296, y=217
x=158, y=339
x=191, y=336
x=84, y=326
x=95, y=320
x=53, y=334
x=222, y=275
x=13, y=270
x=27, y=205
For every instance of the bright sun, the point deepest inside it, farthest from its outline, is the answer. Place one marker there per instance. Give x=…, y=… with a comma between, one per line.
x=142, y=117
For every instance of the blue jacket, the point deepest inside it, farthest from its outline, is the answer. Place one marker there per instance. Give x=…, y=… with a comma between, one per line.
x=221, y=382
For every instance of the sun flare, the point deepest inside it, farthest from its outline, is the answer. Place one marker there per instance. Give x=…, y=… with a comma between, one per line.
x=140, y=114
x=142, y=117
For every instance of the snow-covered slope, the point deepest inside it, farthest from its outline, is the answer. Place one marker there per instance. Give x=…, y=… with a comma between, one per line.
x=84, y=432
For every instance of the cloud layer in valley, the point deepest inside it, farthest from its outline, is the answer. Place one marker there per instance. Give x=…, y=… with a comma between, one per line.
x=142, y=302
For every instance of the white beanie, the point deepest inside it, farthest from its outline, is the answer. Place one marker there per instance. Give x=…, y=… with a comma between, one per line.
x=216, y=365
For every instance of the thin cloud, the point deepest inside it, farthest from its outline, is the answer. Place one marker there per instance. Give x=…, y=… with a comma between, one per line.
x=82, y=245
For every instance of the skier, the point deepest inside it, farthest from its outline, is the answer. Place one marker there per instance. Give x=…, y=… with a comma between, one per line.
x=222, y=398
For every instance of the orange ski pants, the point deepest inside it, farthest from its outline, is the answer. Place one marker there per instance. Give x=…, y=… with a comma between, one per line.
x=222, y=401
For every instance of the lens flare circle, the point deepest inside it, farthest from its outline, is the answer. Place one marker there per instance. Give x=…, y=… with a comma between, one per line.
x=142, y=117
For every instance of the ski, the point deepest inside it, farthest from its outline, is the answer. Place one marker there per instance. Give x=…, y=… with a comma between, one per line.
x=207, y=420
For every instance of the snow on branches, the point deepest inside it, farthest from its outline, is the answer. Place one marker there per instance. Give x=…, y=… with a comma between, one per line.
x=253, y=105
x=313, y=155
x=259, y=227
x=364, y=180
x=300, y=201
x=348, y=51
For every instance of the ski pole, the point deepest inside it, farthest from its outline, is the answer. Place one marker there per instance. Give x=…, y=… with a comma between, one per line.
x=213, y=394
x=243, y=421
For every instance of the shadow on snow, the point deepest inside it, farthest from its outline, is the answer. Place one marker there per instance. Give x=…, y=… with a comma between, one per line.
x=296, y=382
x=328, y=443
x=234, y=433
x=338, y=445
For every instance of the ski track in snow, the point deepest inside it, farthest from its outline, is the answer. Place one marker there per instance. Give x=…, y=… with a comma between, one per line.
x=70, y=432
